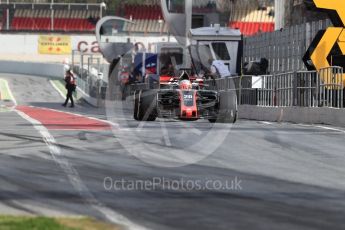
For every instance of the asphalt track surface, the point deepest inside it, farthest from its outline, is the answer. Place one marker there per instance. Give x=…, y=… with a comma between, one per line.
x=291, y=176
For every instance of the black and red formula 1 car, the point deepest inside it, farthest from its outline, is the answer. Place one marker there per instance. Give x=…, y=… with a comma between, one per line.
x=186, y=98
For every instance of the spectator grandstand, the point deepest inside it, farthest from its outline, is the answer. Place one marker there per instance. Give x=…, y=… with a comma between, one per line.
x=56, y=17
x=79, y=17
x=64, y=20
x=147, y=18
x=250, y=16
x=253, y=18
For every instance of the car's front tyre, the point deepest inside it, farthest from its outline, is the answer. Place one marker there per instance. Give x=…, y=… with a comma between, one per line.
x=145, y=105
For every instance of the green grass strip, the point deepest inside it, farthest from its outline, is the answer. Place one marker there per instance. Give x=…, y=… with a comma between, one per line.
x=26, y=223
x=4, y=90
x=45, y=223
x=60, y=85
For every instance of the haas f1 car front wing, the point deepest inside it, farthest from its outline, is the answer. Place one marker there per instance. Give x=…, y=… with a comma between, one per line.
x=191, y=105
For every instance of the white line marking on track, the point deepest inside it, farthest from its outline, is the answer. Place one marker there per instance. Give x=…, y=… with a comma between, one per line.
x=165, y=134
x=73, y=174
x=330, y=128
x=57, y=89
x=10, y=92
x=322, y=127
x=74, y=177
x=266, y=123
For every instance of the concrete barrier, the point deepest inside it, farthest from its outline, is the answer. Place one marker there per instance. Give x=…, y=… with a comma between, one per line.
x=329, y=116
x=32, y=68
x=92, y=101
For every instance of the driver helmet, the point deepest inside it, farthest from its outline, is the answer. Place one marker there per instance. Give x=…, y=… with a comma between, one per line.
x=185, y=85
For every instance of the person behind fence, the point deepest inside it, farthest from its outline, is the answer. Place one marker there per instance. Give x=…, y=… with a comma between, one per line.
x=70, y=80
x=218, y=69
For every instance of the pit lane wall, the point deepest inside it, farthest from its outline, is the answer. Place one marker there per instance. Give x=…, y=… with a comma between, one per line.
x=32, y=68
x=300, y=115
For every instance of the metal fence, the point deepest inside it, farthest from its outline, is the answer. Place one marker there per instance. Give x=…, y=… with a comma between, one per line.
x=331, y=87
x=302, y=88
x=283, y=49
x=324, y=88
x=90, y=72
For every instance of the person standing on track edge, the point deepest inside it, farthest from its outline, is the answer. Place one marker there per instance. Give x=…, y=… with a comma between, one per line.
x=70, y=86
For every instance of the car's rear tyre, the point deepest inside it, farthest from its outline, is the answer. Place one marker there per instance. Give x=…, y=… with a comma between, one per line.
x=136, y=102
x=145, y=105
x=227, y=105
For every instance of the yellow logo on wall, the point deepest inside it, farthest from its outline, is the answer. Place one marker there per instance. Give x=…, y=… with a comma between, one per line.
x=328, y=47
x=54, y=44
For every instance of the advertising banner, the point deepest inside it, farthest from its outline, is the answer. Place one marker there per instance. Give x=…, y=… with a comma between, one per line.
x=54, y=44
